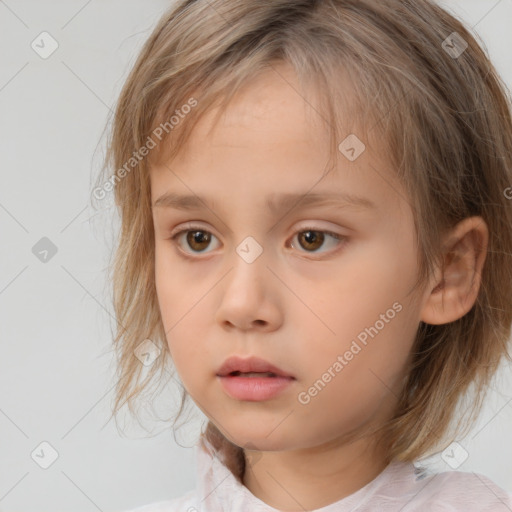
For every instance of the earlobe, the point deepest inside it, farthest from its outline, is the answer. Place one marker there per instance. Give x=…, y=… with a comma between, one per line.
x=456, y=285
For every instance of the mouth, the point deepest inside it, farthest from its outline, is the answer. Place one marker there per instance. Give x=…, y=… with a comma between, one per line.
x=250, y=374
x=251, y=367
x=254, y=386
x=252, y=379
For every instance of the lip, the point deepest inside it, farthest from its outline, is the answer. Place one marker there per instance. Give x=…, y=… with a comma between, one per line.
x=253, y=389
x=250, y=364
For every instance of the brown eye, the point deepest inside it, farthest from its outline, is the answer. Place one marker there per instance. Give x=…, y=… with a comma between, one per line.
x=312, y=239
x=197, y=240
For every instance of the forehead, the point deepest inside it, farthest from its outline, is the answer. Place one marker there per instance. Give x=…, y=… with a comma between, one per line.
x=272, y=108
x=271, y=111
x=272, y=131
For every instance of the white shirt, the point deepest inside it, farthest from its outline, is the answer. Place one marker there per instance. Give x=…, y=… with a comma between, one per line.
x=400, y=487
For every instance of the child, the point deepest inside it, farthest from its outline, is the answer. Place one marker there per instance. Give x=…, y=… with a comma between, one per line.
x=316, y=208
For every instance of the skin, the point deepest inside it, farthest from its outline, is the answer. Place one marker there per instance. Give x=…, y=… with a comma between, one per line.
x=298, y=305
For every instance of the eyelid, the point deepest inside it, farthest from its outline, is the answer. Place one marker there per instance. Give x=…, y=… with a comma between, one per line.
x=191, y=225
x=311, y=227
x=188, y=226
x=315, y=255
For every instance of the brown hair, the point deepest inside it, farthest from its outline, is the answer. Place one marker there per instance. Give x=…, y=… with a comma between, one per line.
x=445, y=119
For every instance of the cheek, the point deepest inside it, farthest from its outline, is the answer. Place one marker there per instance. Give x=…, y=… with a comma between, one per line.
x=369, y=281
x=365, y=348
x=178, y=290
x=178, y=303
x=189, y=352
x=363, y=385
x=372, y=324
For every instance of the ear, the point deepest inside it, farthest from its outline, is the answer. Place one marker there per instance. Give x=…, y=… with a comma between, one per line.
x=455, y=287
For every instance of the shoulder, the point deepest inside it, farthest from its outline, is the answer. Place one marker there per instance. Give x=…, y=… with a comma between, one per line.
x=185, y=503
x=452, y=491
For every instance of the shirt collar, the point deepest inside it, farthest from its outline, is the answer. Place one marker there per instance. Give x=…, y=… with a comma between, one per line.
x=219, y=489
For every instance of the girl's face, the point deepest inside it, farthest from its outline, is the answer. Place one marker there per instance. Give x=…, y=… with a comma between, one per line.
x=275, y=283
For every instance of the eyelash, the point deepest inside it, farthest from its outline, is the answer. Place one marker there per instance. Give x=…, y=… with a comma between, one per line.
x=191, y=227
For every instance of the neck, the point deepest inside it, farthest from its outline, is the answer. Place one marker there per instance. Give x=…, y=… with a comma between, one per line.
x=312, y=478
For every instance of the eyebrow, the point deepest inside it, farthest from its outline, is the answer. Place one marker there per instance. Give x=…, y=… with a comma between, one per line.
x=276, y=203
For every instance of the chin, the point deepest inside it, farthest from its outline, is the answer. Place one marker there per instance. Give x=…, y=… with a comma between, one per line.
x=259, y=440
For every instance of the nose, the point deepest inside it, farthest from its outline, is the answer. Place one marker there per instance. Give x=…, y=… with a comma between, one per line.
x=250, y=298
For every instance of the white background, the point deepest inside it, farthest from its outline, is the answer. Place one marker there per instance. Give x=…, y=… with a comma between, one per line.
x=56, y=365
